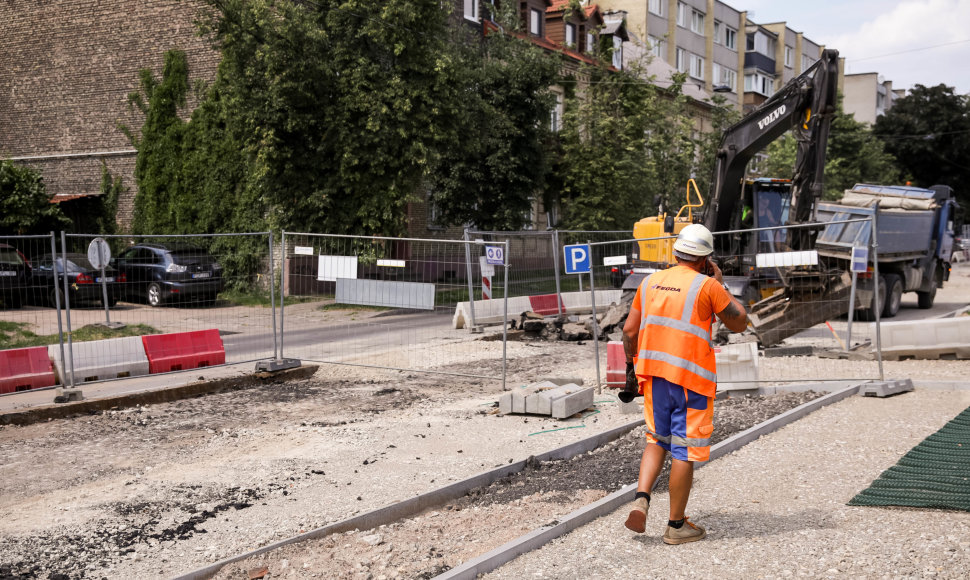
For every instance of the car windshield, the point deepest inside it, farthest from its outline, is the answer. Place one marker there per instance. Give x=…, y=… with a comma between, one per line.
x=10, y=256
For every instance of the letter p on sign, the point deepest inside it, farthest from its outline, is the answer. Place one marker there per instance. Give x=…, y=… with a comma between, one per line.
x=577, y=258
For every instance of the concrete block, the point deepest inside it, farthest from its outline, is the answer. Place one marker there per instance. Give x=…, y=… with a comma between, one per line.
x=886, y=388
x=98, y=360
x=505, y=403
x=541, y=401
x=562, y=380
x=571, y=402
x=940, y=338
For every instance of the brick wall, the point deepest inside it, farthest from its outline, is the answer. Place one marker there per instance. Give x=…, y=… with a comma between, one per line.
x=66, y=69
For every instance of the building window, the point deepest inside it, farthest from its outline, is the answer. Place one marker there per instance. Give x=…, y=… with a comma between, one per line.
x=696, y=67
x=724, y=76
x=535, y=22
x=759, y=83
x=656, y=45
x=590, y=42
x=617, y=52
x=717, y=32
x=656, y=6
x=570, y=34
x=761, y=43
x=697, y=21
x=681, y=64
x=807, y=61
x=789, y=56
x=682, y=11
x=555, y=120
x=730, y=38
x=471, y=10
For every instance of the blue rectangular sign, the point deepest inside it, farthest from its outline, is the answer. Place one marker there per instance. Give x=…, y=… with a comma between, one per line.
x=577, y=258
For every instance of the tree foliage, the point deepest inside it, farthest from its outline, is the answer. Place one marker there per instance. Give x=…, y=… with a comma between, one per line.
x=853, y=155
x=494, y=157
x=25, y=207
x=928, y=131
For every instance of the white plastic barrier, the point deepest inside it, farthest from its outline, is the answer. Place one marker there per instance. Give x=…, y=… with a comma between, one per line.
x=102, y=359
x=737, y=366
x=927, y=339
x=490, y=311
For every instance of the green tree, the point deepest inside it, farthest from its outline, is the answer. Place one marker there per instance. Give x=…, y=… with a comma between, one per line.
x=25, y=207
x=337, y=105
x=106, y=214
x=928, y=131
x=493, y=156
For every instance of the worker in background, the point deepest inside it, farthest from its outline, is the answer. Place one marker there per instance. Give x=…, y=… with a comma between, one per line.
x=670, y=361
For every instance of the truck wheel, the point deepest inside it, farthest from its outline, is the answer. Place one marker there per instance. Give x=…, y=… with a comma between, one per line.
x=925, y=299
x=869, y=314
x=894, y=295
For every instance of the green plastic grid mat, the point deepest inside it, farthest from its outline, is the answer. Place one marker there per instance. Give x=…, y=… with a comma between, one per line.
x=934, y=474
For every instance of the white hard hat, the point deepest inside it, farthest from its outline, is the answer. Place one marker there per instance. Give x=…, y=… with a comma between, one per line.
x=695, y=240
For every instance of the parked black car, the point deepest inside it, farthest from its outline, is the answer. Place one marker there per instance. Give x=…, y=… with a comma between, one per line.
x=175, y=272
x=83, y=279
x=15, y=277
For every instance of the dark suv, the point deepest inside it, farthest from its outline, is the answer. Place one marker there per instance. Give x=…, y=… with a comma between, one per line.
x=171, y=272
x=15, y=277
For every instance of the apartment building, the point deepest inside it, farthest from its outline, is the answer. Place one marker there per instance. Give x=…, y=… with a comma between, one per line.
x=719, y=47
x=867, y=96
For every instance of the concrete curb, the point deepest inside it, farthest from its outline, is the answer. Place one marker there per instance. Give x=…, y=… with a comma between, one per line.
x=537, y=538
x=162, y=395
x=417, y=504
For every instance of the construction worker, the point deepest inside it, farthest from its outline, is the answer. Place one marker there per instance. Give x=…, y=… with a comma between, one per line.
x=670, y=361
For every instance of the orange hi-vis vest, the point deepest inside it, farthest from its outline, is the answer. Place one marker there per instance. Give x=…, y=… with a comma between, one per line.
x=674, y=342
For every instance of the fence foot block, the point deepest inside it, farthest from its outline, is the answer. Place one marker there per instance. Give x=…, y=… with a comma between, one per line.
x=282, y=364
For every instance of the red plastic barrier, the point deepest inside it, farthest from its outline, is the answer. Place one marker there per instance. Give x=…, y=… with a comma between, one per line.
x=615, y=364
x=22, y=369
x=181, y=351
x=546, y=304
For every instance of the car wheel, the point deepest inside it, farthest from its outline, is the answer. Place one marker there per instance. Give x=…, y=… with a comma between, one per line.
x=112, y=301
x=154, y=294
x=894, y=295
x=56, y=295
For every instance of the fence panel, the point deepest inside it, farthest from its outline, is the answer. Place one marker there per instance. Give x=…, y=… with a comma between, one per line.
x=389, y=303
x=26, y=319
x=802, y=334
x=214, y=291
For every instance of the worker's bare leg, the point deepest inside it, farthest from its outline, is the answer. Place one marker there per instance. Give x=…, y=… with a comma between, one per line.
x=681, y=479
x=651, y=462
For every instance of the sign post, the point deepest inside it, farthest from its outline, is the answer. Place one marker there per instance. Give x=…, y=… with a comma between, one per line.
x=860, y=263
x=99, y=254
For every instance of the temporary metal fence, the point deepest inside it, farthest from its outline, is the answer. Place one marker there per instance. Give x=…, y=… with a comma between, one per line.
x=392, y=303
x=536, y=259
x=810, y=332
x=84, y=291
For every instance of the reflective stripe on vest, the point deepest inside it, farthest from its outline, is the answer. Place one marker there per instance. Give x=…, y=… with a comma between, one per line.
x=680, y=441
x=683, y=324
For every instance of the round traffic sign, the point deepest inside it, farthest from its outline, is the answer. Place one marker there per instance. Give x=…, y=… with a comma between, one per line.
x=99, y=253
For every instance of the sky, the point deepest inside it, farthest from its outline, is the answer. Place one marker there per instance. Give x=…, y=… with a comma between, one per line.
x=908, y=42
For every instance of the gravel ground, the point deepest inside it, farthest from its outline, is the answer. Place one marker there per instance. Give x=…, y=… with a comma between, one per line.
x=160, y=490
x=777, y=508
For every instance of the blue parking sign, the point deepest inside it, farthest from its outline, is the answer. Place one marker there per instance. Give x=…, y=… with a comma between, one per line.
x=577, y=258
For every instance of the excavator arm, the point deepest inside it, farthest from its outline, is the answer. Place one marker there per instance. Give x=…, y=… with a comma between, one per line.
x=806, y=104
